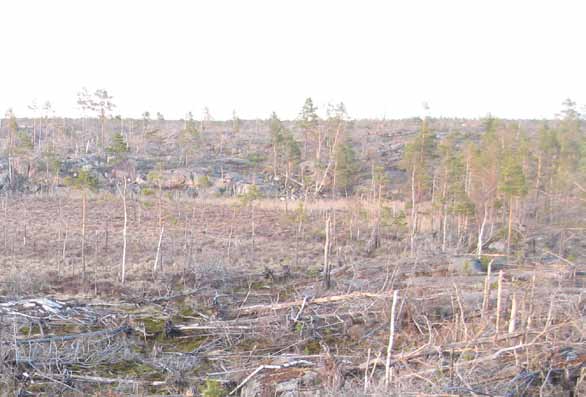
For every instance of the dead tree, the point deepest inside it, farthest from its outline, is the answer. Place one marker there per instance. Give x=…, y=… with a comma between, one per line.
x=327, y=265
x=124, y=233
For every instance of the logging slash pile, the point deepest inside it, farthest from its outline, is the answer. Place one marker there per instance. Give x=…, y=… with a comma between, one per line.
x=400, y=328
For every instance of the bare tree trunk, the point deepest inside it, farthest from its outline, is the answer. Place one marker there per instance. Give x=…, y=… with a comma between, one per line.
x=538, y=178
x=6, y=223
x=499, y=302
x=107, y=234
x=231, y=234
x=275, y=160
x=388, y=374
x=83, y=216
x=124, y=234
x=253, y=228
x=513, y=315
x=444, y=229
x=158, y=255
x=318, y=149
x=34, y=132
x=327, y=267
x=481, y=232
x=433, y=194
x=510, y=228
x=64, y=250
x=413, y=214
x=102, y=136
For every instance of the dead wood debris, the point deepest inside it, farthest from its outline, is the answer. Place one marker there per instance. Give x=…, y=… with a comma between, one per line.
x=447, y=339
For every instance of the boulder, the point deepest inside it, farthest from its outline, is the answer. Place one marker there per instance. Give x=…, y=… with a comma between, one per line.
x=499, y=246
x=469, y=265
x=465, y=265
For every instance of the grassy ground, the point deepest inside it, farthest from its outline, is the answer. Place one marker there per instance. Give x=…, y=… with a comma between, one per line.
x=241, y=287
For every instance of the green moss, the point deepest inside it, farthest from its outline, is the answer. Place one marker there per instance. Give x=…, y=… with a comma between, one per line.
x=249, y=344
x=185, y=344
x=312, y=347
x=213, y=388
x=256, y=285
x=186, y=310
x=333, y=340
x=154, y=325
x=485, y=260
x=34, y=329
x=129, y=369
x=313, y=271
x=299, y=327
x=37, y=388
x=145, y=191
x=203, y=182
x=287, y=293
x=467, y=268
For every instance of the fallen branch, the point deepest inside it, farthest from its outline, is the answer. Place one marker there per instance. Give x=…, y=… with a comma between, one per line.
x=296, y=363
x=64, y=338
x=99, y=379
x=316, y=301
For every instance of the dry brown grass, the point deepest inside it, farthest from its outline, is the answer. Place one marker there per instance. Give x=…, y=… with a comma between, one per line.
x=444, y=343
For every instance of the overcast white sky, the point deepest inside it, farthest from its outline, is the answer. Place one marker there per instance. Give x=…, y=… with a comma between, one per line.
x=381, y=58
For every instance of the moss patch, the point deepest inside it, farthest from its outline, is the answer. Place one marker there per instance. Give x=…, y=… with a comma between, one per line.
x=183, y=344
x=154, y=326
x=311, y=347
x=129, y=369
x=34, y=329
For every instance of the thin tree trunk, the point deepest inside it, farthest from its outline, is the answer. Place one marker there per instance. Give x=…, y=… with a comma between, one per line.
x=253, y=228
x=481, y=232
x=124, y=234
x=275, y=160
x=158, y=255
x=83, y=216
x=413, y=213
x=64, y=250
x=388, y=374
x=444, y=229
x=513, y=316
x=510, y=229
x=499, y=302
x=326, y=271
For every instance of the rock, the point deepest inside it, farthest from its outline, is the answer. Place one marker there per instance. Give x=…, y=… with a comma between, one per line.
x=468, y=265
x=498, y=263
x=124, y=169
x=498, y=245
x=219, y=186
x=242, y=189
x=465, y=265
x=177, y=179
x=4, y=179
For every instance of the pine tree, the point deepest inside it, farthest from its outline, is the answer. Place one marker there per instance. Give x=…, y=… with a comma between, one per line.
x=346, y=168
x=418, y=162
x=513, y=185
x=308, y=122
x=119, y=147
x=189, y=138
x=276, y=131
x=452, y=196
x=102, y=104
